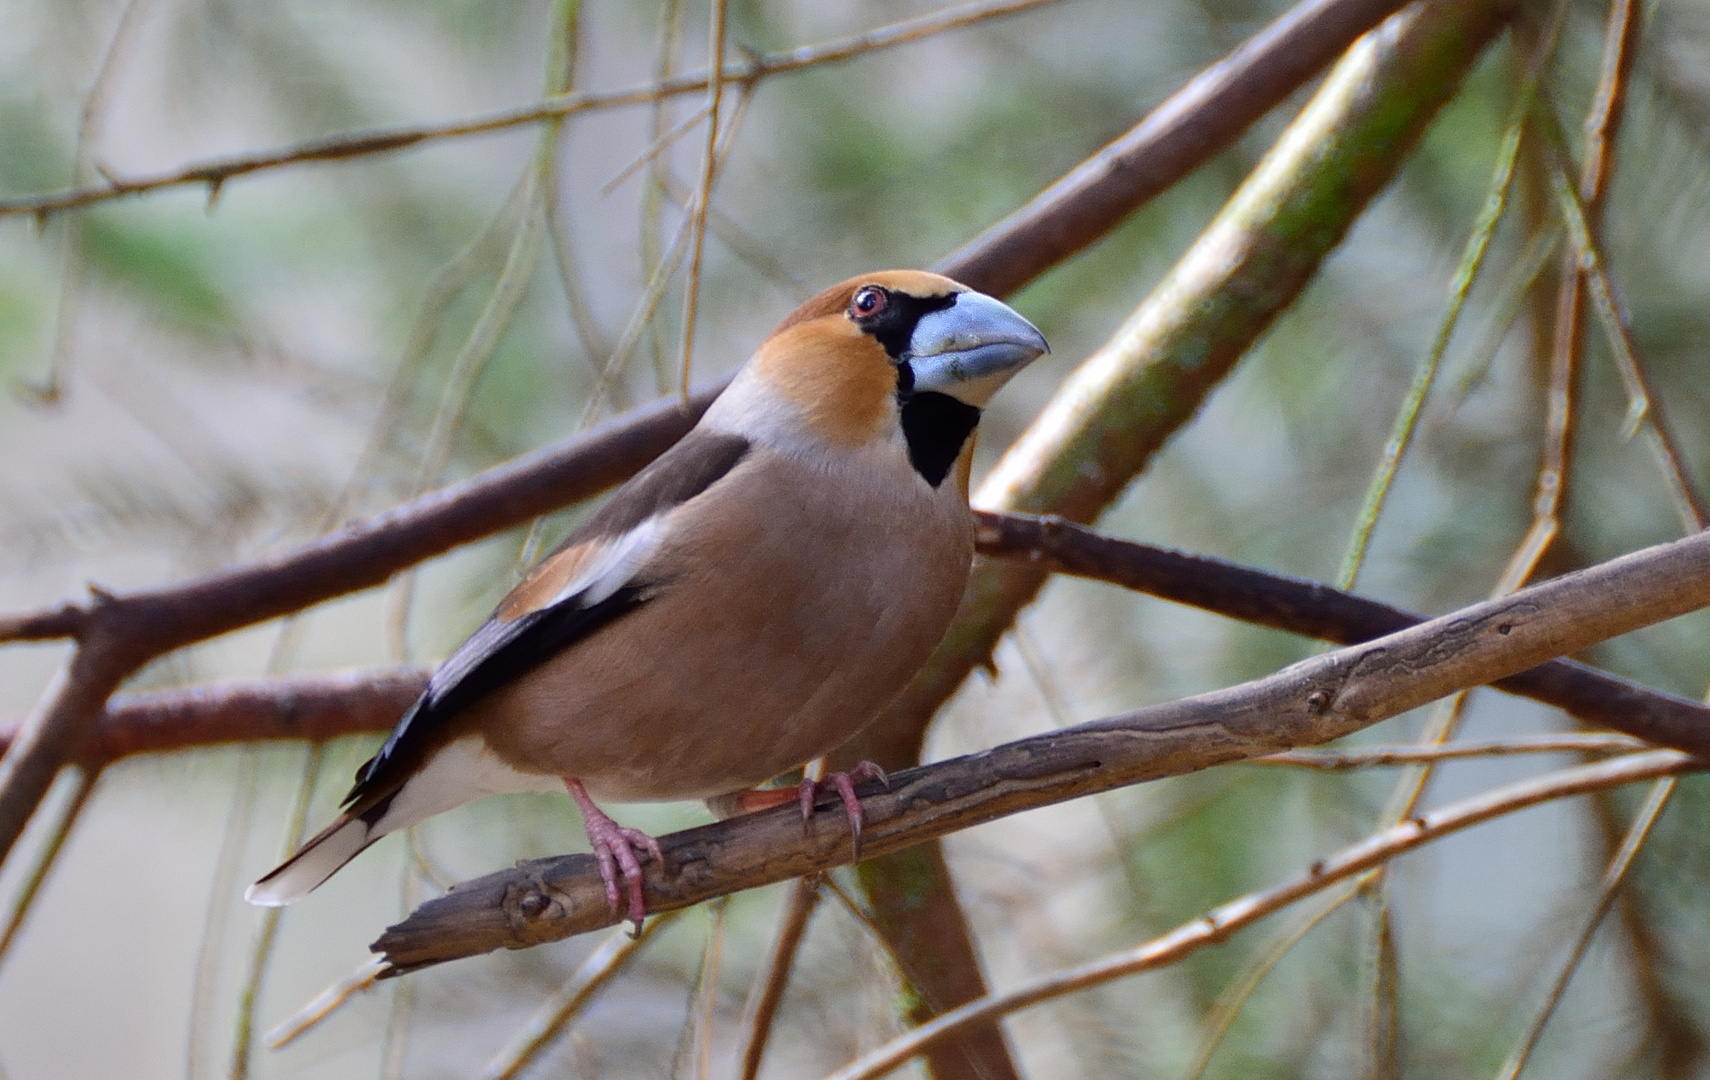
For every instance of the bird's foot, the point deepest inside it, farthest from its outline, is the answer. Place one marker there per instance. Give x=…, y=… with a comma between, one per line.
x=804, y=794
x=844, y=782
x=616, y=847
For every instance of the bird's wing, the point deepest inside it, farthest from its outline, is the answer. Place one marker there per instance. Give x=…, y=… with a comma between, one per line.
x=596, y=576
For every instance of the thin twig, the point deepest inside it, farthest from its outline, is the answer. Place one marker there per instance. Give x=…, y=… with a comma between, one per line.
x=648, y=156
x=1460, y=287
x=323, y=1005
x=1613, y=877
x=42, y=865
x=773, y=978
x=1374, y=756
x=235, y=828
x=1643, y=406
x=1229, y=1004
x=703, y=192
x=641, y=317
x=84, y=163
x=613, y=956
x=267, y=936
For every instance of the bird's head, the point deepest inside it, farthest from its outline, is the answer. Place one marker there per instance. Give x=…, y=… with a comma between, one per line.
x=897, y=347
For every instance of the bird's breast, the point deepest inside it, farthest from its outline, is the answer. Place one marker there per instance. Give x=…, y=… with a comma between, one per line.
x=789, y=605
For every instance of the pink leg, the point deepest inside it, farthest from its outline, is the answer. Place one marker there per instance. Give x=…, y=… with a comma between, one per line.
x=616, y=847
x=844, y=782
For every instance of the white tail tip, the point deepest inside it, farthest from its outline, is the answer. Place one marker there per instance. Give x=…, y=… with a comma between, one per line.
x=314, y=862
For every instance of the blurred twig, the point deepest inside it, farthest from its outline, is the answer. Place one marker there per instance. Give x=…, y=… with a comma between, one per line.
x=1613, y=878
x=703, y=191
x=773, y=977
x=42, y=865
x=1229, y=1004
x=553, y=1015
x=85, y=163
x=1460, y=287
x=323, y=1005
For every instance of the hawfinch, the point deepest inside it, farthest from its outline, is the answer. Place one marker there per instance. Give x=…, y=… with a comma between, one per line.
x=743, y=605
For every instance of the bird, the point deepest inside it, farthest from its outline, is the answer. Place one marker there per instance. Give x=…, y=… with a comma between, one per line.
x=743, y=605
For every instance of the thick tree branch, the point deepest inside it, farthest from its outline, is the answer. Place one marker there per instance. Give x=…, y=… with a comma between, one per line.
x=1311, y=702
x=314, y=708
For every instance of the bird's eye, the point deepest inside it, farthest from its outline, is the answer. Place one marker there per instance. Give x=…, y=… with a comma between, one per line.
x=869, y=301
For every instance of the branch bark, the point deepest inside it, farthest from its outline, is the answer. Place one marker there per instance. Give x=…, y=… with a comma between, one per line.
x=1196, y=122
x=1311, y=702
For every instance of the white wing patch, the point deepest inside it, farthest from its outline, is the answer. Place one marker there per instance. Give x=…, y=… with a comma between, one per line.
x=612, y=564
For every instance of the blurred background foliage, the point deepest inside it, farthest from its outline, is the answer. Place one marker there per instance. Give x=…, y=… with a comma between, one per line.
x=195, y=381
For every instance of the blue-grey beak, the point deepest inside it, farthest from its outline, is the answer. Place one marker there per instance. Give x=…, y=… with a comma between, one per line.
x=970, y=349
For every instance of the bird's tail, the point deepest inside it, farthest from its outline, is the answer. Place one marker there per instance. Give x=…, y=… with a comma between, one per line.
x=459, y=772
x=315, y=861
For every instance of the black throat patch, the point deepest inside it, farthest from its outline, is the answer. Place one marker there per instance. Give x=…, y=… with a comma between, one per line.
x=936, y=426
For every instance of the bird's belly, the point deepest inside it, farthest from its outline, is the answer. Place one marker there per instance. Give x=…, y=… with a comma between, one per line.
x=742, y=669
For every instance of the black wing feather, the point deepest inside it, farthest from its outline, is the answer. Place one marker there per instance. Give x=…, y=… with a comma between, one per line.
x=494, y=655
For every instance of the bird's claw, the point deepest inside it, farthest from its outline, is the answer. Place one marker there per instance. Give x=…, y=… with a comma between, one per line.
x=617, y=847
x=844, y=783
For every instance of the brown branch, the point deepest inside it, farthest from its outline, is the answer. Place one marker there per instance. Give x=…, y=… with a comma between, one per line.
x=315, y=708
x=1306, y=607
x=773, y=978
x=67, y=620
x=1311, y=702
